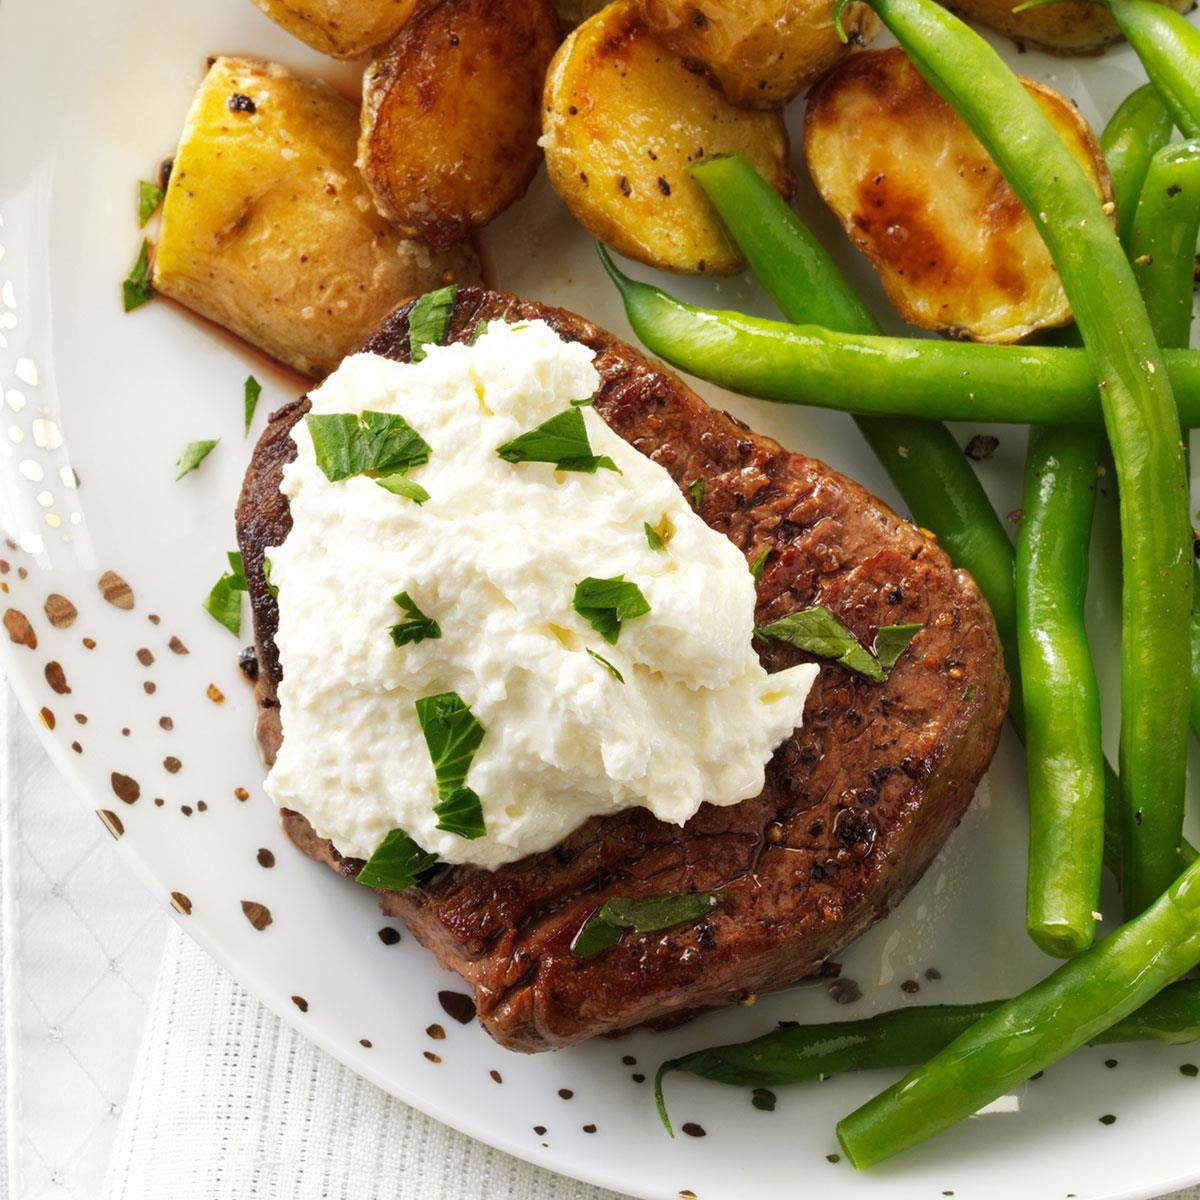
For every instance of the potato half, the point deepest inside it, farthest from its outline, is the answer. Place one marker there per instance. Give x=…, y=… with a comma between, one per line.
x=624, y=121
x=450, y=117
x=343, y=28
x=922, y=199
x=762, y=52
x=267, y=228
x=1074, y=28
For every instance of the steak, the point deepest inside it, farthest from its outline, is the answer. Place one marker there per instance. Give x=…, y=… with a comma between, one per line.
x=856, y=803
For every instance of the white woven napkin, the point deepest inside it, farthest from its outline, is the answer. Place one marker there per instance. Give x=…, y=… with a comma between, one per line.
x=227, y=1101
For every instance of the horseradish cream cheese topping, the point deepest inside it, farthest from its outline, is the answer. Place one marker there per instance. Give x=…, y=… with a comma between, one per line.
x=509, y=579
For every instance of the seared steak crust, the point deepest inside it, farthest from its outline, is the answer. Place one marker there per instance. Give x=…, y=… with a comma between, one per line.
x=856, y=803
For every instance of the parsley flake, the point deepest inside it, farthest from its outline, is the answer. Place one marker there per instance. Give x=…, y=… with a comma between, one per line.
x=250, y=394
x=194, y=453
x=150, y=196
x=696, y=493
x=760, y=562
x=461, y=812
x=272, y=589
x=891, y=641
x=136, y=289
x=453, y=735
x=429, y=321
x=563, y=441
x=657, y=536
x=224, y=601
x=347, y=444
x=607, y=666
x=396, y=864
x=645, y=914
x=605, y=603
x=820, y=632
x=417, y=628
x=398, y=485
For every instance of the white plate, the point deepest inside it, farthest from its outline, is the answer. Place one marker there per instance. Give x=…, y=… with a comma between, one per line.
x=91, y=95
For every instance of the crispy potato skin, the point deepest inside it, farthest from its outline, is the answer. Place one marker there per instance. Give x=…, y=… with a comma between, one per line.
x=342, y=28
x=267, y=228
x=921, y=198
x=761, y=52
x=450, y=117
x=624, y=120
x=1075, y=28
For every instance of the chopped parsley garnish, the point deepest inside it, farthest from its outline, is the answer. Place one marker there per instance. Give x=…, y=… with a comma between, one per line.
x=398, y=485
x=891, y=641
x=150, y=196
x=224, y=602
x=480, y=330
x=586, y=402
x=820, y=632
x=453, y=735
x=397, y=863
x=607, y=666
x=250, y=394
x=696, y=493
x=417, y=627
x=136, y=288
x=429, y=320
x=461, y=812
x=563, y=441
x=657, y=536
x=349, y=444
x=760, y=561
x=194, y=453
x=272, y=589
x=648, y=914
x=605, y=603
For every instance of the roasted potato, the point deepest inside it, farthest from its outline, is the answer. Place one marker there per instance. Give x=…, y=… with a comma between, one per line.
x=1074, y=28
x=762, y=52
x=450, y=116
x=267, y=228
x=921, y=198
x=343, y=28
x=624, y=121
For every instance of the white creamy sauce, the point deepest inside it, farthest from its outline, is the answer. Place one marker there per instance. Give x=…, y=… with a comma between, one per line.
x=494, y=557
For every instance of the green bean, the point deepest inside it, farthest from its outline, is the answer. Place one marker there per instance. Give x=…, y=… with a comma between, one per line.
x=1065, y=762
x=1162, y=242
x=899, y=1039
x=922, y=458
x=1071, y=1007
x=1139, y=128
x=1064, y=759
x=1169, y=46
x=916, y=378
x=1140, y=417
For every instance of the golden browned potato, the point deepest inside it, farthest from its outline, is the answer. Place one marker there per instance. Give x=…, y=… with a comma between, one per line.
x=267, y=228
x=921, y=198
x=450, y=117
x=343, y=28
x=762, y=52
x=624, y=121
x=1075, y=28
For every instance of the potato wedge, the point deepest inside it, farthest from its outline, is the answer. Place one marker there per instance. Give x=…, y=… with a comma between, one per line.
x=624, y=121
x=761, y=52
x=1074, y=28
x=450, y=116
x=267, y=228
x=921, y=198
x=343, y=28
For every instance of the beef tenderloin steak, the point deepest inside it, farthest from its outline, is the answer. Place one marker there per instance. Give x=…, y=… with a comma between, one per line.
x=856, y=803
